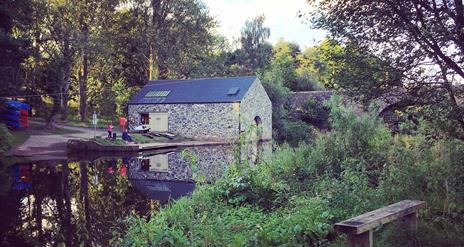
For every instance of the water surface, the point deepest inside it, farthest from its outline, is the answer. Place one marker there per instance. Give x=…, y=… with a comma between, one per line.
x=81, y=199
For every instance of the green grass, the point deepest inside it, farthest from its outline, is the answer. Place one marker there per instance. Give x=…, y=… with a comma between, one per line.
x=19, y=137
x=138, y=138
x=104, y=141
x=144, y=139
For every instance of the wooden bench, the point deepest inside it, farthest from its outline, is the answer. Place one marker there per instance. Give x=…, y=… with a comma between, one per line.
x=360, y=228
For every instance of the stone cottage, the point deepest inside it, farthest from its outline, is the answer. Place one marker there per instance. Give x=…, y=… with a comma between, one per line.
x=204, y=109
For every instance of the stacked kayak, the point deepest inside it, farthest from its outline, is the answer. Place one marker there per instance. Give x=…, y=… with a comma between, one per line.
x=16, y=116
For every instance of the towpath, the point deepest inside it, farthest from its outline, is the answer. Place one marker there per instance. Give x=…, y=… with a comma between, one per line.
x=45, y=145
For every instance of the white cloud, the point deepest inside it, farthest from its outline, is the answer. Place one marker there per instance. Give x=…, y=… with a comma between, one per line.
x=281, y=17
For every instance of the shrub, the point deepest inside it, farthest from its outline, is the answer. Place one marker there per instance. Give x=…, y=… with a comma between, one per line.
x=5, y=139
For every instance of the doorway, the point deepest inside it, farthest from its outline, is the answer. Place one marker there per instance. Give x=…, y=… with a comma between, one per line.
x=158, y=121
x=259, y=128
x=144, y=118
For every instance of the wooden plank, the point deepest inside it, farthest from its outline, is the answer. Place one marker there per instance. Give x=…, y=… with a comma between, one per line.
x=373, y=219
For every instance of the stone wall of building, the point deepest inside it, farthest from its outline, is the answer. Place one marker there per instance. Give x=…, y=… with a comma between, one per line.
x=256, y=103
x=214, y=121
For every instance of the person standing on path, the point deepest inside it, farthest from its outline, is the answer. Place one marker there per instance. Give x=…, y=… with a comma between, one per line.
x=110, y=129
x=122, y=123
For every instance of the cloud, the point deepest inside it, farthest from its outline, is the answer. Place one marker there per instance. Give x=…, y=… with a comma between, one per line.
x=281, y=17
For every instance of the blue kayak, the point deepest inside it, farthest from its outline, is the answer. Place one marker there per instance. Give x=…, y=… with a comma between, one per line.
x=14, y=124
x=18, y=105
x=10, y=117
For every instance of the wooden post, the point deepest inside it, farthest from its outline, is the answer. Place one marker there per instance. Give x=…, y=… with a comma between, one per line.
x=409, y=222
x=365, y=239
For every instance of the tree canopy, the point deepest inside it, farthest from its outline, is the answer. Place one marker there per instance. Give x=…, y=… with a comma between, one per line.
x=419, y=46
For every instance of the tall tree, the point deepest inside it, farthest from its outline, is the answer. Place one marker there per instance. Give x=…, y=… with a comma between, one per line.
x=255, y=52
x=14, y=44
x=91, y=16
x=55, y=44
x=181, y=32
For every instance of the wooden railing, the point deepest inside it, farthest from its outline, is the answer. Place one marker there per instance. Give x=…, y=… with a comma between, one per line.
x=360, y=229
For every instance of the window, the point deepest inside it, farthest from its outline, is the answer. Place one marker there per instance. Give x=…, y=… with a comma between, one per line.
x=153, y=94
x=233, y=91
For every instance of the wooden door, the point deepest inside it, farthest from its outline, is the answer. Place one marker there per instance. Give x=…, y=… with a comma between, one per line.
x=159, y=121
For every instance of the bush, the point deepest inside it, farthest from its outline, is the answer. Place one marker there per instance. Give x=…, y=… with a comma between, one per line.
x=5, y=139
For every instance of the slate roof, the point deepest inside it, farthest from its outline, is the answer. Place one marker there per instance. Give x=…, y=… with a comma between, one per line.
x=206, y=90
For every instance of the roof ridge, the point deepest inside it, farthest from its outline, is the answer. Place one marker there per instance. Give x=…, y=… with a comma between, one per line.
x=196, y=79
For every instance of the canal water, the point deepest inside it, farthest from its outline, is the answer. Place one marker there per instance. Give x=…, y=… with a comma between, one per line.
x=85, y=197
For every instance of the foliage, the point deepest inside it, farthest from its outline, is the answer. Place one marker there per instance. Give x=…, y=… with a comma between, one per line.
x=139, y=138
x=295, y=197
x=181, y=37
x=110, y=142
x=14, y=48
x=6, y=139
x=67, y=55
x=284, y=128
x=409, y=52
x=254, y=43
x=315, y=112
x=255, y=52
x=294, y=67
x=19, y=137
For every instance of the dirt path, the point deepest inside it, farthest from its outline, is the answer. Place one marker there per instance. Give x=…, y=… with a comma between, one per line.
x=44, y=145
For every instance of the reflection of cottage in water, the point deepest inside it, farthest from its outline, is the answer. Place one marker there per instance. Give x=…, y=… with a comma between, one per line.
x=155, y=163
x=176, y=166
x=211, y=108
x=172, y=174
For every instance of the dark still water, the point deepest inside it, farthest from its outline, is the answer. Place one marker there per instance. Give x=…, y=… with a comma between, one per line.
x=81, y=199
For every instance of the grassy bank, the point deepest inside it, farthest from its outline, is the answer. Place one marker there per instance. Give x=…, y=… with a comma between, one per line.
x=19, y=137
x=138, y=138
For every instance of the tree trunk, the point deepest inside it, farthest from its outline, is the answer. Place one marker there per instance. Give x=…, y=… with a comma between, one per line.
x=83, y=76
x=38, y=216
x=159, y=9
x=50, y=120
x=450, y=90
x=162, y=68
x=66, y=194
x=84, y=195
x=66, y=82
x=152, y=73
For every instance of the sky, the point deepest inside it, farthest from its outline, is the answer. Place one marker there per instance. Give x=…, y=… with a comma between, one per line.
x=281, y=17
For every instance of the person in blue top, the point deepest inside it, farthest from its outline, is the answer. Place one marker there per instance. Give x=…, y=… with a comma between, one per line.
x=126, y=136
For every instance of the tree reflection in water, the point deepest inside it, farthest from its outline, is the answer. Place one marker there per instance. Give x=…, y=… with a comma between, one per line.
x=59, y=202
x=63, y=206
